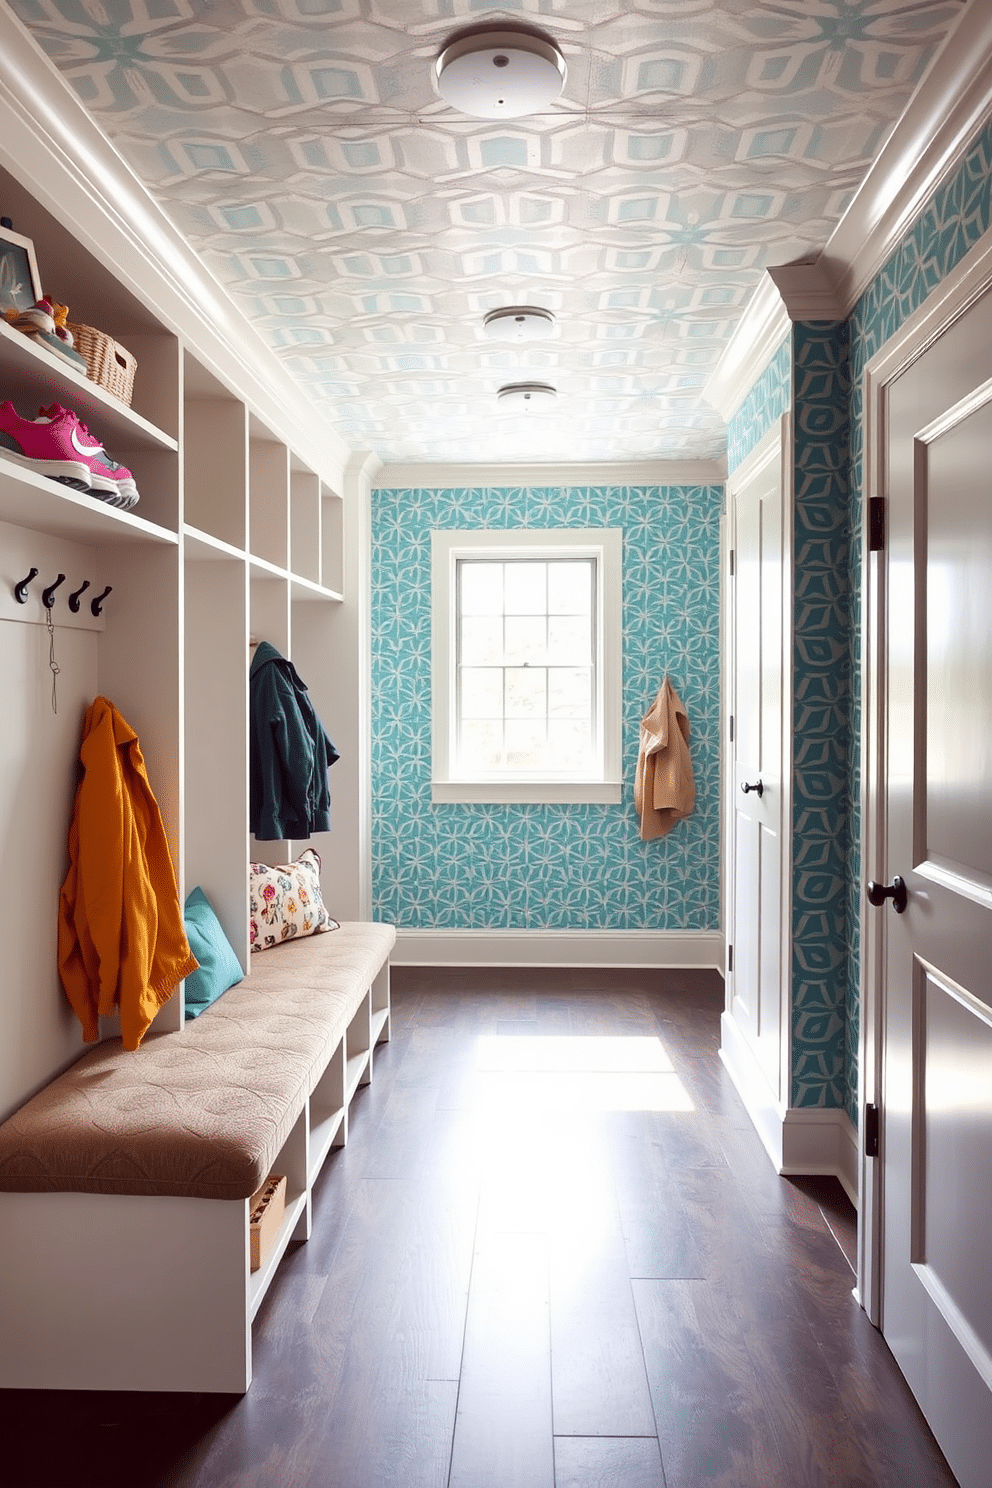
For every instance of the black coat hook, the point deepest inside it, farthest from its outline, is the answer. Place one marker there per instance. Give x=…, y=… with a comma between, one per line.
x=48, y=595
x=21, y=589
x=96, y=605
x=74, y=597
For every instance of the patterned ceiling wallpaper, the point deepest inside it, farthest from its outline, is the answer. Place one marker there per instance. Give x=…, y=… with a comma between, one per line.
x=538, y=867
x=365, y=228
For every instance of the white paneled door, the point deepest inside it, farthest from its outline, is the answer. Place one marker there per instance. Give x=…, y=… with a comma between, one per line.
x=936, y=836
x=758, y=636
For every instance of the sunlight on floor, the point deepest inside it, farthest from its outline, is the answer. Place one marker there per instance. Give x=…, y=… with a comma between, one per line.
x=579, y=1073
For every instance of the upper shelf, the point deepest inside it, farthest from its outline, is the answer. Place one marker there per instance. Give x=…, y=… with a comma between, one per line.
x=43, y=505
x=204, y=547
x=31, y=377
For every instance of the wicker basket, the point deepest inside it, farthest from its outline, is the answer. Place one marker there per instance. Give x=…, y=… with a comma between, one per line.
x=108, y=364
x=266, y=1211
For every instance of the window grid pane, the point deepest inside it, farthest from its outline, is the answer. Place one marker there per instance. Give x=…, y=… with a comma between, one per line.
x=525, y=666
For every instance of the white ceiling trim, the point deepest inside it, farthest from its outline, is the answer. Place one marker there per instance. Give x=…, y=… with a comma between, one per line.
x=362, y=464
x=951, y=104
x=52, y=146
x=757, y=336
x=412, y=476
x=807, y=291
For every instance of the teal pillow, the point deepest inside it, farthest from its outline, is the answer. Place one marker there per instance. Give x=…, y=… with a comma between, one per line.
x=219, y=966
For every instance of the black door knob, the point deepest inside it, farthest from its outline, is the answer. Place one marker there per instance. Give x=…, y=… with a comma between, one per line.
x=896, y=891
x=758, y=787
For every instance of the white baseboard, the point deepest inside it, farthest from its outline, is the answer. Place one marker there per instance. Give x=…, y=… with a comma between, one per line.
x=670, y=949
x=817, y=1140
x=800, y=1140
x=759, y=1098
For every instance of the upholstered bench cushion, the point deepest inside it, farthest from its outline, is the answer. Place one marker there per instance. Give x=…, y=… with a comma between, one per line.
x=201, y=1113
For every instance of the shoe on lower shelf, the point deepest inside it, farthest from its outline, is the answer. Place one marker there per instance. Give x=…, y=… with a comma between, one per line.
x=59, y=445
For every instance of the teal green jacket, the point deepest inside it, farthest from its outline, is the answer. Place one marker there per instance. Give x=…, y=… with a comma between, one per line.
x=289, y=753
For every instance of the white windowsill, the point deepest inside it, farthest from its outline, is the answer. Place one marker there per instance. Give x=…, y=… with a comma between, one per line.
x=597, y=792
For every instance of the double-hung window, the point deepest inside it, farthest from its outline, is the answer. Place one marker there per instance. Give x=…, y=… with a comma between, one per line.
x=526, y=665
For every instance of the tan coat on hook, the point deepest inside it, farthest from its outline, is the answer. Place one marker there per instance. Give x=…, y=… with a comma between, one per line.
x=664, y=790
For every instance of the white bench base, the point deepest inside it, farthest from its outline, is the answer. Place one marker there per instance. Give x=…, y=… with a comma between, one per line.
x=87, y=1280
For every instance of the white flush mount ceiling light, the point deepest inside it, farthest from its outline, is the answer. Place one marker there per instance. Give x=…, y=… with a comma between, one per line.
x=526, y=397
x=500, y=74
x=518, y=323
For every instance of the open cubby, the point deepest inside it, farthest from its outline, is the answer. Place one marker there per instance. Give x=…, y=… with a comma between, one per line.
x=215, y=458
x=268, y=481
x=332, y=542
x=305, y=515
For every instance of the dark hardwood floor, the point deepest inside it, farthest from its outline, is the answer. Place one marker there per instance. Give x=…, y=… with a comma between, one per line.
x=540, y=1262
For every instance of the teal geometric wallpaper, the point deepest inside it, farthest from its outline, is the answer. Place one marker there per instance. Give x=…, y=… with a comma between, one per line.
x=556, y=866
x=769, y=397
x=821, y=706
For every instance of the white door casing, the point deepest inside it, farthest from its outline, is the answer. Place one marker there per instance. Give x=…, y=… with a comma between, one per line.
x=760, y=669
x=927, y=1041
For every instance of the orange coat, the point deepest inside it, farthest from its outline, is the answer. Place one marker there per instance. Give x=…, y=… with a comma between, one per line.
x=664, y=790
x=122, y=945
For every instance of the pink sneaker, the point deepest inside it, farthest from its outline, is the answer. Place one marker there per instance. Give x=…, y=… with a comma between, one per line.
x=59, y=445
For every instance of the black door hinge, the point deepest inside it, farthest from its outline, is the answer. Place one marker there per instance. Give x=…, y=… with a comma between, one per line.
x=876, y=524
x=871, y=1129
x=731, y=563
x=730, y=958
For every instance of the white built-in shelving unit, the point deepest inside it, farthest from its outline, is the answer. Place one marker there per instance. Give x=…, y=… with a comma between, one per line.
x=247, y=528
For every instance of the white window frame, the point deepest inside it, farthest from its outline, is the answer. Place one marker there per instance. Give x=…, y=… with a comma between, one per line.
x=604, y=545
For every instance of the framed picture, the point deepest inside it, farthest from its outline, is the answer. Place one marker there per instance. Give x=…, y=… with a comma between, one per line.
x=20, y=284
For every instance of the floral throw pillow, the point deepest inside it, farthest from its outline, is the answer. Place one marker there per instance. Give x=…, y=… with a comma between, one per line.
x=285, y=901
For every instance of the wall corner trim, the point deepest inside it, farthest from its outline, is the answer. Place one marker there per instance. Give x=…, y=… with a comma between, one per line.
x=807, y=291
x=664, y=949
x=787, y=293
x=363, y=463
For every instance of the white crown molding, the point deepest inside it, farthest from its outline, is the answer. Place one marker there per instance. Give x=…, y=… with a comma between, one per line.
x=673, y=949
x=757, y=337
x=53, y=147
x=412, y=476
x=787, y=293
x=807, y=291
x=362, y=464
x=951, y=103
